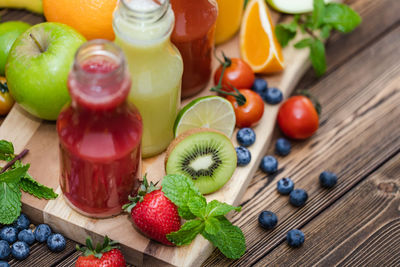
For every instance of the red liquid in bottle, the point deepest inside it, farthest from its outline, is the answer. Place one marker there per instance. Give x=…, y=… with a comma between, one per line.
x=100, y=135
x=193, y=35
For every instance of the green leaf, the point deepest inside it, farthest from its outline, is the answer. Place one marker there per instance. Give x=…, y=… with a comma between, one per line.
x=212, y=226
x=14, y=175
x=197, y=205
x=216, y=208
x=180, y=189
x=341, y=17
x=326, y=31
x=187, y=233
x=31, y=186
x=6, y=150
x=10, y=202
x=229, y=239
x=318, y=13
x=317, y=57
x=285, y=32
x=303, y=43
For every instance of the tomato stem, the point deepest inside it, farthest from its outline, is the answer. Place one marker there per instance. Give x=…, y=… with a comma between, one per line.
x=240, y=98
x=313, y=99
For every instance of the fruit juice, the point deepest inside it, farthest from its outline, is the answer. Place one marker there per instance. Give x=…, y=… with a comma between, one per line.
x=229, y=18
x=99, y=133
x=193, y=35
x=143, y=29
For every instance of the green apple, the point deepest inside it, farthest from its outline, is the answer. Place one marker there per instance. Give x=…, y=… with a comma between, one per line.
x=38, y=65
x=9, y=32
x=293, y=6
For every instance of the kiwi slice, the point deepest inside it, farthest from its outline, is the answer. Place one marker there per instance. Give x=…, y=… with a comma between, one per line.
x=205, y=155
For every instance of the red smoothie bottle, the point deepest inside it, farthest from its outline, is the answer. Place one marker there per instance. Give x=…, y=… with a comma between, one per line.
x=100, y=133
x=193, y=35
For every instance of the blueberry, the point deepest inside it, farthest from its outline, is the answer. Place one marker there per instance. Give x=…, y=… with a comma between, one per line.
x=285, y=186
x=22, y=222
x=295, y=238
x=20, y=250
x=5, y=250
x=267, y=219
x=246, y=137
x=27, y=236
x=282, y=147
x=327, y=179
x=42, y=232
x=260, y=86
x=56, y=242
x=9, y=234
x=4, y=264
x=273, y=96
x=269, y=164
x=243, y=156
x=298, y=197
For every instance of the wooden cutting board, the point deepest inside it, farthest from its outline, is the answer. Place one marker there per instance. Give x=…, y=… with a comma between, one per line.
x=40, y=138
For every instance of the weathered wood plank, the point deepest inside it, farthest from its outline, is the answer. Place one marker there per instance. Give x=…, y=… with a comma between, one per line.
x=40, y=255
x=361, y=229
x=360, y=105
x=378, y=17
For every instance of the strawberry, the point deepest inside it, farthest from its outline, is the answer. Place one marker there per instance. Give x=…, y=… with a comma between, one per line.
x=153, y=213
x=104, y=255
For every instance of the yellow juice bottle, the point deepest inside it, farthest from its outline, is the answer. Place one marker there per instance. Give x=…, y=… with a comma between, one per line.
x=229, y=19
x=143, y=29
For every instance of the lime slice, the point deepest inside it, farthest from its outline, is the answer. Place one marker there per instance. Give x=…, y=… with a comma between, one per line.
x=293, y=6
x=213, y=112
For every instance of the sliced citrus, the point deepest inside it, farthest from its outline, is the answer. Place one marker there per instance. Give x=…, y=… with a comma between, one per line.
x=258, y=44
x=213, y=112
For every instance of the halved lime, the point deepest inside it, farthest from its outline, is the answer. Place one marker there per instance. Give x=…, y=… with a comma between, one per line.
x=213, y=112
x=293, y=6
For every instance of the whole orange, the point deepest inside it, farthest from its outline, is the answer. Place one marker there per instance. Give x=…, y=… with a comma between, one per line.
x=92, y=18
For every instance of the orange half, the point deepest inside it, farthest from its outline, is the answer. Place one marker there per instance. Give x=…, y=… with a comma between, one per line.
x=258, y=44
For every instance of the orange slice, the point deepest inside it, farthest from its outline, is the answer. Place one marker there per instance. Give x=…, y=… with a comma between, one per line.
x=258, y=44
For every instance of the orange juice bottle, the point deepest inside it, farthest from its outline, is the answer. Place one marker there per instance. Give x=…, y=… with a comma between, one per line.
x=229, y=18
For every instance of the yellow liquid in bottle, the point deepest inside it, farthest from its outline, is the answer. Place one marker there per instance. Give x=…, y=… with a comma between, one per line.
x=156, y=70
x=229, y=19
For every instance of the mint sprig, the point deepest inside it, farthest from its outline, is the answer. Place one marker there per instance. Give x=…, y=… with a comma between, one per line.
x=14, y=177
x=207, y=219
x=318, y=26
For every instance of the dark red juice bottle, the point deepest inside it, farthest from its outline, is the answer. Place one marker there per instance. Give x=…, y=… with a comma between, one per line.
x=100, y=133
x=193, y=35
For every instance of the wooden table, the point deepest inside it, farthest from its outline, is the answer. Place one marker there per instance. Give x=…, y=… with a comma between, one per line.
x=358, y=222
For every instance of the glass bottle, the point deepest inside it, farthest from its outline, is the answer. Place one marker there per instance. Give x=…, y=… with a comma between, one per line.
x=194, y=36
x=143, y=29
x=99, y=133
x=229, y=18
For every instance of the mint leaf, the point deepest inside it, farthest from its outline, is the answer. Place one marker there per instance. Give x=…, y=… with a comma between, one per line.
x=187, y=233
x=326, y=31
x=6, y=150
x=285, y=32
x=229, y=239
x=180, y=189
x=317, y=57
x=14, y=175
x=304, y=43
x=31, y=186
x=197, y=206
x=216, y=208
x=10, y=202
x=341, y=17
x=212, y=226
x=318, y=13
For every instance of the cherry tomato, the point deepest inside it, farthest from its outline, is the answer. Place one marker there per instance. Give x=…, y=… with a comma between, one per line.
x=6, y=100
x=237, y=73
x=298, y=118
x=251, y=112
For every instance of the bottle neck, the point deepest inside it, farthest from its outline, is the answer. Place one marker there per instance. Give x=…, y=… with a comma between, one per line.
x=99, y=79
x=143, y=22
